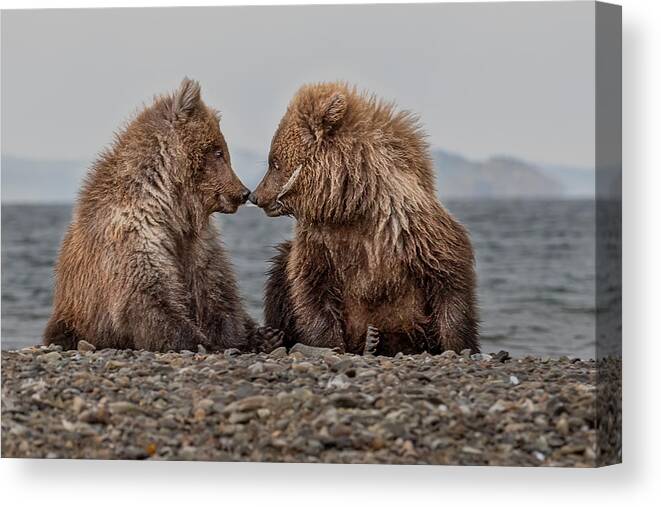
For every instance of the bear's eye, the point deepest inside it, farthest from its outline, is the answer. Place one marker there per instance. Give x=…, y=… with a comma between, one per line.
x=219, y=154
x=275, y=165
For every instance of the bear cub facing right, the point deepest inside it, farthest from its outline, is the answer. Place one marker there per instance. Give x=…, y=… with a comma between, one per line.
x=377, y=264
x=141, y=265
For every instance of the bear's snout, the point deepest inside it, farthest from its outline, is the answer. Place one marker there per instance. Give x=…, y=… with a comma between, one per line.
x=264, y=197
x=266, y=202
x=239, y=195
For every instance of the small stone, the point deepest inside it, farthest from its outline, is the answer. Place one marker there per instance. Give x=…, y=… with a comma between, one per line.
x=227, y=429
x=555, y=441
x=310, y=351
x=408, y=449
x=498, y=406
x=542, y=444
x=590, y=454
x=377, y=442
x=99, y=415
x=342, y=365
x=449, y=354
x=572, y=449
x=85, y=346
x=515, y=427
x=124, y=407
x=247, y=404
x=169, y=422
x=199, y=414
x=562, y=425
x=340, y=430
x=464, y=409
x=256, y=369
x=541, y=420
x=151, y=448
x=340, y=381
x=19, y=430
x=470, y=450
x=240, y=417
x=466, y=353
x=231, y=352
x=302, y=367
x=205, y=405
x=77, y=405
x=481, y=357
x=115, y=365
x=263, y=413
x=188, y=453
x=68, y=426
x=50, y=357
x=514, y=380
x=245, y=390
x=279, y=352
x=502, y=356
x=344, y=400
x=528, y=405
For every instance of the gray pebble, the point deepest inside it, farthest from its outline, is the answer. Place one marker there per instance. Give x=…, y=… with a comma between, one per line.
x=279, y=352
x=339, y=382
x=85, y=346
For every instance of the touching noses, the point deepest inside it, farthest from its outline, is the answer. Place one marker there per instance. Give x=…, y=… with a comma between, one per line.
x=245, y=194
x=253, y=198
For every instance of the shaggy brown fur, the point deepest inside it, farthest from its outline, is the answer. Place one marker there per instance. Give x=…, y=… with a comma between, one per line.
x=373, y=246
x=141, y=265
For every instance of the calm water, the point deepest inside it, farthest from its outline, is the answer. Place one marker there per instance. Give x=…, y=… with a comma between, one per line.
x=535, y=264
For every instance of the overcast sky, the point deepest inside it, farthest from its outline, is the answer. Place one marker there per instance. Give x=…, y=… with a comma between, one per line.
x=485, y=79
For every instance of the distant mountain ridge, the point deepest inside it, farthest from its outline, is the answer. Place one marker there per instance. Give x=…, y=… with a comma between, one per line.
x=504, y=176
x=499, y=177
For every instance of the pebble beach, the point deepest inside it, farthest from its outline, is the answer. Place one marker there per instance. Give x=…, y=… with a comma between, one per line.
x=305, y=405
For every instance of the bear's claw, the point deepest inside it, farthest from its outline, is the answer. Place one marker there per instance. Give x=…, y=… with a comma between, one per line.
x=267, y=339
x=371, y=341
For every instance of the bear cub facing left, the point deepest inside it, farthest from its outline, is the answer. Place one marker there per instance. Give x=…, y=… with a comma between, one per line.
x=141, y=265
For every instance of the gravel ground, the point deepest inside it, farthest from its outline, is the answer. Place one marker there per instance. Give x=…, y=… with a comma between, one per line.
x=310, y=405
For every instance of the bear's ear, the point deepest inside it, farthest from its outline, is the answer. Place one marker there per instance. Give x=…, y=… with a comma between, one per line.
x=328, y=115
x=186, y=99
x=334, y=109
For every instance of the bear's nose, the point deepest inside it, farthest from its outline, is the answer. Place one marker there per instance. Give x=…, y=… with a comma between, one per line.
x=252, y=198
x=244, y=195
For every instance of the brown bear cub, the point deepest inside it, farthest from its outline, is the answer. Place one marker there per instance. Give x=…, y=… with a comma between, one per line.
x=376, y=264
x=141, y=265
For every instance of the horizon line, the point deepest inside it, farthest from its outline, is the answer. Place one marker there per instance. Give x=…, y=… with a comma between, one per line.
x=89, y=160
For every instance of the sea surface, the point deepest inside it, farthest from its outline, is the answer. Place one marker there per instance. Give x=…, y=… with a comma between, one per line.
x=535, y=263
